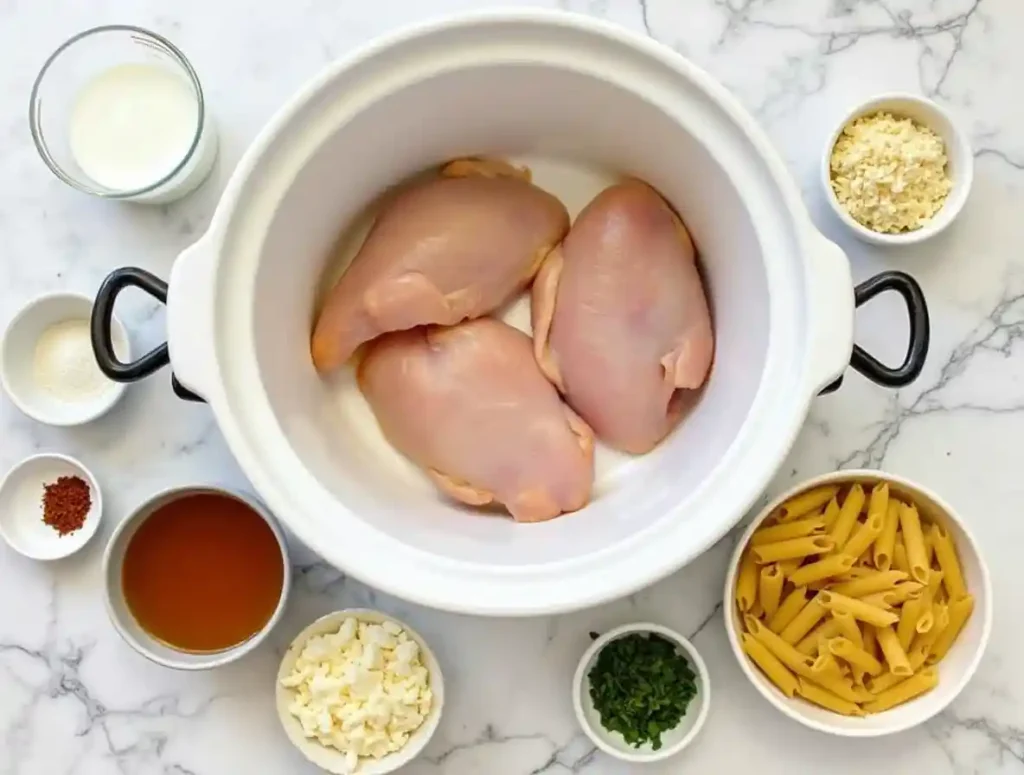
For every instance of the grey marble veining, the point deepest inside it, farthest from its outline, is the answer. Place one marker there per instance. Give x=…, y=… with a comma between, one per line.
x=74, y=700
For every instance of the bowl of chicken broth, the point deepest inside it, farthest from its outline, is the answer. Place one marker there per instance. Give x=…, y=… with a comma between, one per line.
x=196, y=577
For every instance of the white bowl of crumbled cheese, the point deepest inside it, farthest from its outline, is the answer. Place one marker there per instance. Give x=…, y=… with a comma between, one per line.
x=897, y=169
x=47, y=364
x=359, y=692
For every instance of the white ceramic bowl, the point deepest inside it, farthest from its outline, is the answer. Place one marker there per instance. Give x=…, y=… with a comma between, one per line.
x=17, y=351
x=960, y=164
x=955, y=670
x=330, y=759
x=21, y=507
x=612, y=743
x=120, y=615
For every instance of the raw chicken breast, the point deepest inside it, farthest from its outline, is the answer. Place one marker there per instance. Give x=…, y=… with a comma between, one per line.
x=452, y=248
x=470, y=405
x=620, y=320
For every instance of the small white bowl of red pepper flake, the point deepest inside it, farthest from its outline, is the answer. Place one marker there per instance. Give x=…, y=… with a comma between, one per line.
x=50, y=506
x=641, y=692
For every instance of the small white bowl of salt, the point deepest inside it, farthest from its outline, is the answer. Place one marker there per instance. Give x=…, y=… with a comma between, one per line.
x=47, y=364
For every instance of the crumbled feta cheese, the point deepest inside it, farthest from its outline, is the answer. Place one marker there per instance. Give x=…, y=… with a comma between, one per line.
x=362, y=690
x=889, y=173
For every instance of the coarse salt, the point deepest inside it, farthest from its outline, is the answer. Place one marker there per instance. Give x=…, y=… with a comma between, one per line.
x=889, y=174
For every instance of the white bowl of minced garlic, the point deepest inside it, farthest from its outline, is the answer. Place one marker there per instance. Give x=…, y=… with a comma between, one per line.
x=897, y=169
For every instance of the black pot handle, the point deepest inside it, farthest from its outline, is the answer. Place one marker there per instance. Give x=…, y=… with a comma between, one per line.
x=102, y=336
x=920, y=332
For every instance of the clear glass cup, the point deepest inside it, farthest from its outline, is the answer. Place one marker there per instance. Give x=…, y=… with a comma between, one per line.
x=76, y=64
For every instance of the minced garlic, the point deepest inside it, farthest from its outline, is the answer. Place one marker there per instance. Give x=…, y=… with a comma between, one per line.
x=889, y=173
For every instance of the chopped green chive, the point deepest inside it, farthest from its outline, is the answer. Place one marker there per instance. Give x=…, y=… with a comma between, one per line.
x=641, y=686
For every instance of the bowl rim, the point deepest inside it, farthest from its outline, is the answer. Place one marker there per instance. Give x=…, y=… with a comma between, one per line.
x=694, y=657
x=330, y=621
x=92, y=518
x=959, y=148
x=96, y=408
x=984, y=596
x=143, y=511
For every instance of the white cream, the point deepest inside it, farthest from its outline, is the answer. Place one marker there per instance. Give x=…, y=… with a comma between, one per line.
x=133, y=124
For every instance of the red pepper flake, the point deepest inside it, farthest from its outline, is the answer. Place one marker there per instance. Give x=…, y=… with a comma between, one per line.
x=66, y=504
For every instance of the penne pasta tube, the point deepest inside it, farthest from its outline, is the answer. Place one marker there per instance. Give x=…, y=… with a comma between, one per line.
x=770, y=589
x=959, y=612
x=894, y=654
x=843, y=688
x=787, y=530
x=870, y=582
x=848, y=628
x=746, y=582
x=857, y=572
x=915, y=686
x=847, y=650
x=910, y=615
x=864, y=535
x=913, y=539
x=826, y=699
x=848, y=514
x=831, y=514
x=878, y=599
x=935, y=578
x=788, y=609
x=896, y=596
x=774, y=670
x=757, y=611
x=904, y=591
x=882, y=551
x=804, y=621
x=870, y=644
x=878, y=684
x=806, y=502
x=899, y=554
x=859, y=609
x=858, y=675
x=789, y=566
x=827, y=629
x=878, y=502
x=927, y=617
x=825, y=666
x=824, y=568
x=924, y=641
x=929, y=546
x=785, y=653
x=945, y=554
x=917, y=657
x=791, y=549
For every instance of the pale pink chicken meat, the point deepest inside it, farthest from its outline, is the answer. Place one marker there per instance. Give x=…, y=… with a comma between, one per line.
x=451, y=248
x=620, y=319
x=470, y=405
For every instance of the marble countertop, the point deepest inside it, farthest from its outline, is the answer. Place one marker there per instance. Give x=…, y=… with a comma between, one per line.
x=74, y=699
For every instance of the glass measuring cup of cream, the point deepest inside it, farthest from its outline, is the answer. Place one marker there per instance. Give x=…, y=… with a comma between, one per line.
x=118, y=112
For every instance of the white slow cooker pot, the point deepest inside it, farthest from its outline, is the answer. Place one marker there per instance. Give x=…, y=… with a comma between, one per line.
x=581, y=101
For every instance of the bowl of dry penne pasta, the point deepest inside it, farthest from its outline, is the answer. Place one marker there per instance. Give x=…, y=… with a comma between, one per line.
x=858, y=603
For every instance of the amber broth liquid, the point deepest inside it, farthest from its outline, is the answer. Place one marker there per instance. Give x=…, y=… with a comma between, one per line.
x=203, y=573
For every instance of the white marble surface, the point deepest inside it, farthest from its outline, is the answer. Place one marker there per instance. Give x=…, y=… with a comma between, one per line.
x=75, y=699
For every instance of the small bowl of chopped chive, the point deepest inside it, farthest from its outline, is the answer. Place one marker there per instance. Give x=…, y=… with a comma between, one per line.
x=897, y=169
x=641, y=692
